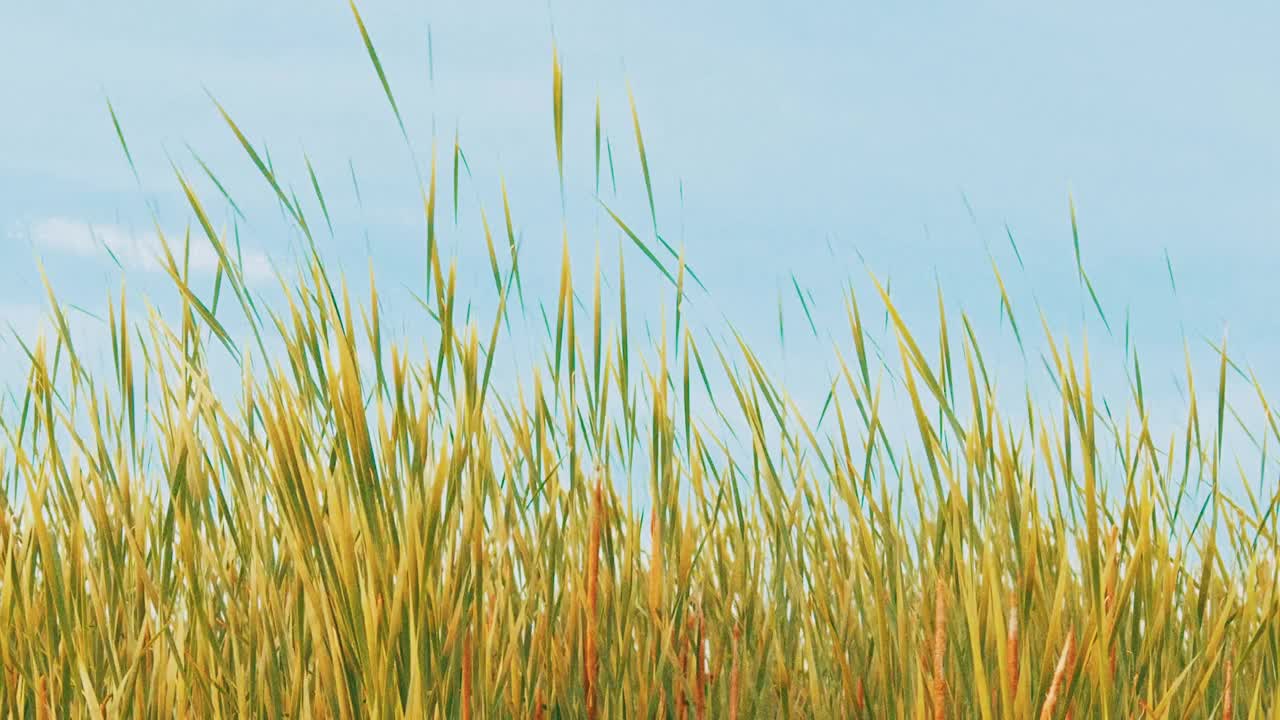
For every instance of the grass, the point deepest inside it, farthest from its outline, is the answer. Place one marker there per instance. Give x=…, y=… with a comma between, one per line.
x=365, y=529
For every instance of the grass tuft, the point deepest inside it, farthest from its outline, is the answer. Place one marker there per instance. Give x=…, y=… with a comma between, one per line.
x=370, y=527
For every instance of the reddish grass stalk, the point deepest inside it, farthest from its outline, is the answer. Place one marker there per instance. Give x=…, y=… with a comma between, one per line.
x=42, y=699
x=733, y=677
x=539, y=707
x=1059, y=675
x=1012, y=650
x=1111, y=651
x=682, y=696
x=939, y=651
x=1228, y=705
x=591, y=651
x=699, y=669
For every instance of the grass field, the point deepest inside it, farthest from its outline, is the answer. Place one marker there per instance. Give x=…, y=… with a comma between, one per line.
x=370, y=528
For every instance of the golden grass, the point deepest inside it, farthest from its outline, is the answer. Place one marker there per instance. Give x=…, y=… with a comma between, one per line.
x=393, y=537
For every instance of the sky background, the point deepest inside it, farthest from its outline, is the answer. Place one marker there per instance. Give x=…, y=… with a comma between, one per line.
x=819, y=140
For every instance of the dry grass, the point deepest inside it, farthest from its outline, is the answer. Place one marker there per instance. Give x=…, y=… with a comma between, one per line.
x=395, y=538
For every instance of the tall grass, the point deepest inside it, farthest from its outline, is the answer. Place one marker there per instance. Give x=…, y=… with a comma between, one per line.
x=370, y=529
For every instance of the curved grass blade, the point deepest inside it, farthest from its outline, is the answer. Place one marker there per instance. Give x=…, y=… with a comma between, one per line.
x=638, y=243
x=315, y=185
x=377, y=66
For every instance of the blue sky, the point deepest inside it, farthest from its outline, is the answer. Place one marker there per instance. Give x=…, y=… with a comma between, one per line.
x=783, y=139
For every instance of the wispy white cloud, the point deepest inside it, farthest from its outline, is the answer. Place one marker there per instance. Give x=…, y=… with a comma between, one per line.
x=142, y=251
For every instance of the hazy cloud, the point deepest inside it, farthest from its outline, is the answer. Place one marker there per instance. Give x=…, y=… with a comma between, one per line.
x=134, y=250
